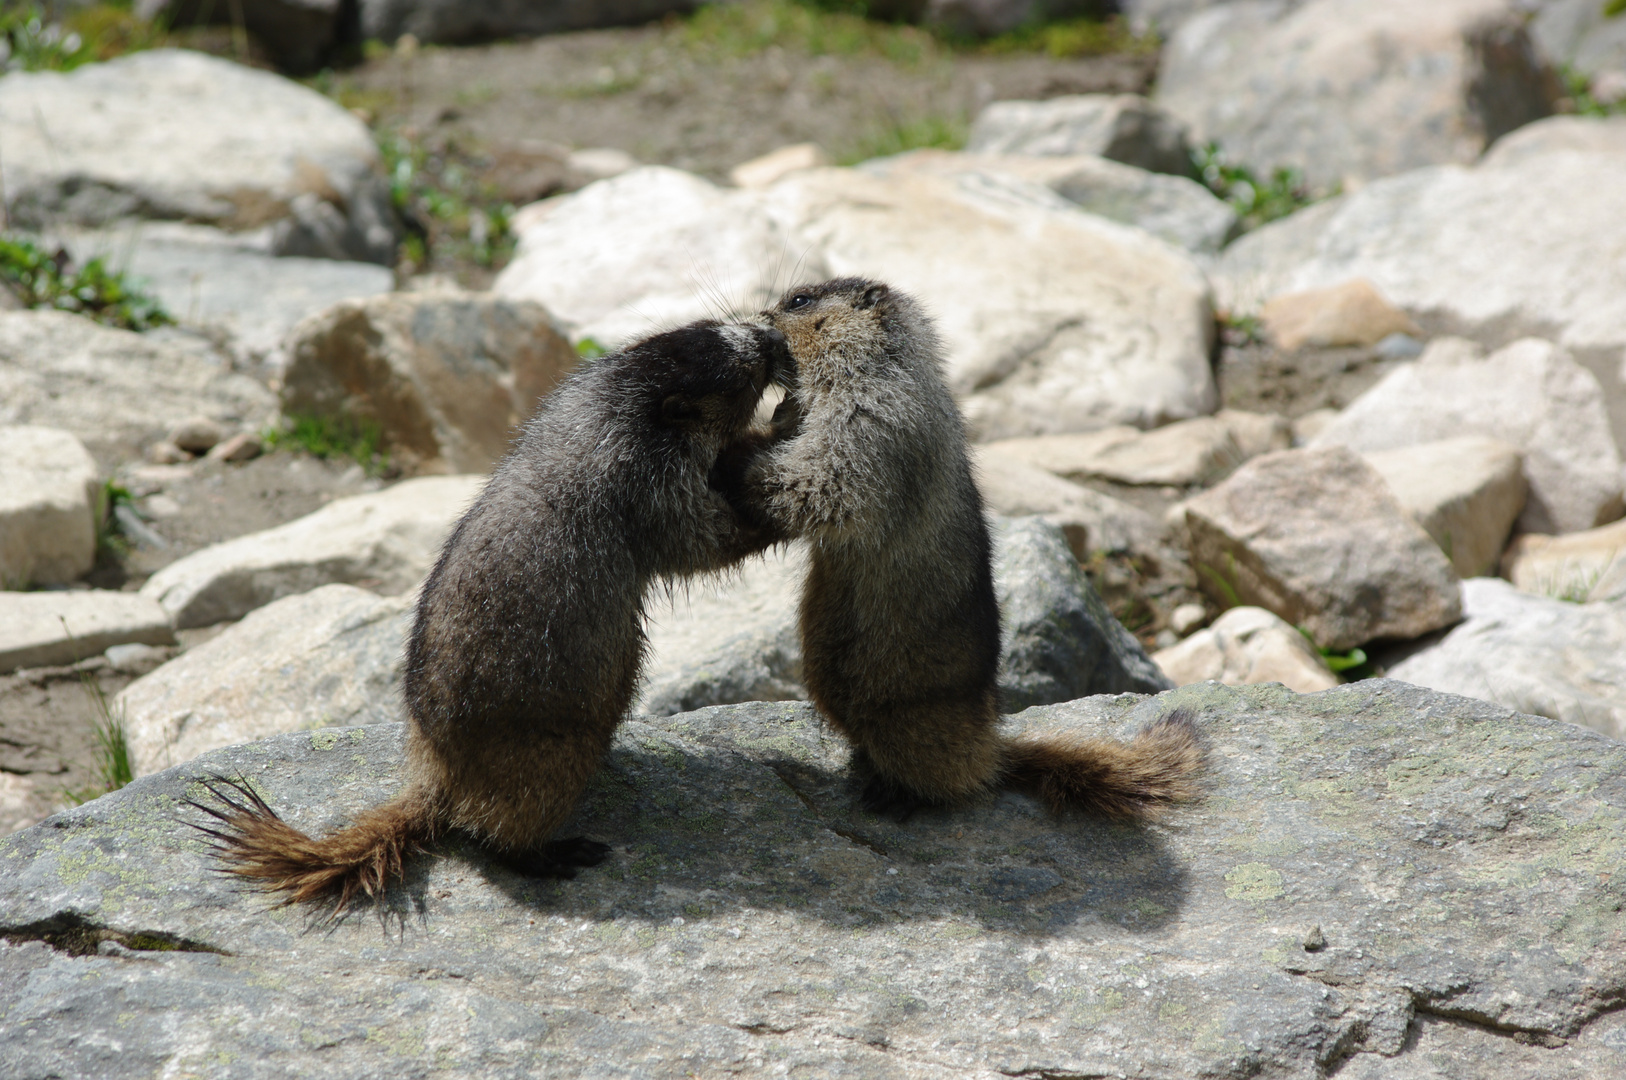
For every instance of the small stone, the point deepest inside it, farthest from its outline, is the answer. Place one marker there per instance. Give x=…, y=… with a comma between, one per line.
x=1399, y=346
x=49, y=491
x=1247, y=645
x=1587, y=566
x=601, y=162
x=761, y=172
x=240, y=447
x=1353, y=313
x=1315, y=940
x=135, y=658
x=196, y=435
x=1465, y=492
x=165, y=452
x=1186, y=618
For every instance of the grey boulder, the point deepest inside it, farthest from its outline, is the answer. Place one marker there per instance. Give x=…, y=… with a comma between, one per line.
x=1119, y=127
x=50, y=499
x=1404, y=882
x=64, y=627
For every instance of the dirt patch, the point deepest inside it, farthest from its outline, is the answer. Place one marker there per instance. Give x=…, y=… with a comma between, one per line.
x=48, y=741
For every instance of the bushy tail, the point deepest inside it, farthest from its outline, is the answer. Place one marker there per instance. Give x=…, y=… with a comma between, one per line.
x=1138, y=778
x=257, y=844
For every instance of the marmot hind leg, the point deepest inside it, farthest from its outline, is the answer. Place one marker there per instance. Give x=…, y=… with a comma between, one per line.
x=928, y=753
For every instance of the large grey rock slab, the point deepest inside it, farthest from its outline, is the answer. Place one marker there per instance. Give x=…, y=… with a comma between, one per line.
x=1188, y=452
x=477, y=20
x=49, y=499
x=183, y=136
x=1090, y=520
x=1121, y=127
x=652, y=247
x=1465, y=492
x=1588, y=565
x=1171, y=208
x=1536, y=654
x=112, y=388
x=38, y=629
x=386, y=540
x=1497, y=252
x=228, y=285
x=1350, y=90
x=1452, y=865
x=736, y=639
x=329, y=657
x=447, y=376
x=1053, y=319
x=1316, y=537
x=1531, y=395
x=1244, y=646
x=1578, y=33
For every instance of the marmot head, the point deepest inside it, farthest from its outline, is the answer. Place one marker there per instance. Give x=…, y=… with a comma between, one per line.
x=701, y=382
x=849, y=326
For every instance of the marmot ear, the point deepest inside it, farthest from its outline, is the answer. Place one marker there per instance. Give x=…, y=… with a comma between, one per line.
x=677, y=409
x=872, y=296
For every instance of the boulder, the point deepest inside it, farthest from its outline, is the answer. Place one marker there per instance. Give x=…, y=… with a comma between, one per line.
x=1171, y=208
x=227, y=285
x=300, y=35
x=1534, y=653
x=1532, y=395
x=1584, y=566
x=1090, y=520
x=114, y=389
x=1465, y=492
x=1201, y=451
x=1247, y=645
x=385, y=540
x=736, y=639
x=182, y=136
x=650, y=248
x=1578, y=33
x=447, y=376
x=1053, y=320
x=1378, y=875
x=1316, y=537
x=329, y=657
x=39, y=629
x=1353, y=313
x=1577, y=134
x=1528, y=247
x=449, y=21
x=1119, y=127
x=50, y=494
x=1350, y=90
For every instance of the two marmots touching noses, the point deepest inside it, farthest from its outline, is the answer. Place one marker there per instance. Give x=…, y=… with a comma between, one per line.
x=645, y=465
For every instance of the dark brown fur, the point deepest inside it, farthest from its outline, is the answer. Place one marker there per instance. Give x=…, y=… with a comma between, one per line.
x=528, y=639
x=899, y=620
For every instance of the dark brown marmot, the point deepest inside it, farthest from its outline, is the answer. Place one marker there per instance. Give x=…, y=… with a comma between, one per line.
x=528, y=639
x=899, y=621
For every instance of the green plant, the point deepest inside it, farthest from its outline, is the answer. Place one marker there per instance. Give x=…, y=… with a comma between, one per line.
x=437, y=191
x=332, y=437
x=897, y=136
x=32, y=40
x=112, y=751
x=1578, y=89
x=111, y=543
x=1239, y=330
x=42, y=280
x=1223, y=581
x=1073, y=37
x=589, y=349
x=1255, y=201
x=1614, y=7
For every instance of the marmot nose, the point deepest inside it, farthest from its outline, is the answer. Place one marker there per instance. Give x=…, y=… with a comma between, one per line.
x=775, y=335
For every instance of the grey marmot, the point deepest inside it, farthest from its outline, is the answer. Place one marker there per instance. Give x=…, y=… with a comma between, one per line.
x=529, y=634
x=899, y=620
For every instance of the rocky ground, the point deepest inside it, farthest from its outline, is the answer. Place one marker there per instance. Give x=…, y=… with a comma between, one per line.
x=1238, y=425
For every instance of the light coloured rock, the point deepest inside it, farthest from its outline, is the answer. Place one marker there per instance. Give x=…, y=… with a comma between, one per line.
x=1171, y=208
x=240, y=447
x=135, y=658
x=44, y=628
x=762, y=171
x=114, y=389
x=179, y=135
x=1311, y=424
x=1187, y=617
x=1256, y=433
x=49, y=499
x=448, y=377
x=326, y=658
x=1090, y=520
x=1244, y=646
x=1353, y=313
x=601, y=162
x=1200, y=451
x=736, y=639
x=1467, y=853
x=653, y=247
x=1578, y=33
x=230, y=286
x=1053, y=320
x=196, y=434
x=1120, y=127
x=1585, y=566
x=1349, y=90
x=386, y=540
x=1532, y=653
x=1316, y=537
x=1578, y=134
x=1531, y=395
x=1465, y=492
x=1528, y=247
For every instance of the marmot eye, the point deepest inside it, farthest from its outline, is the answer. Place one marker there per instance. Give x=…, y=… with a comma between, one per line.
x=800, y=300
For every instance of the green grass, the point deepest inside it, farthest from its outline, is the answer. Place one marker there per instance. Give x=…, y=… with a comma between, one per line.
x=329, y=437
x=39, y=42
x=45, y=280
x=897, y=136
x=111, y=543
x=452, y=212
x=1578, y=88
x=589, y=349
x=1255, y=201
x=1072, y=37
x=750, y=27
x=112, y=749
